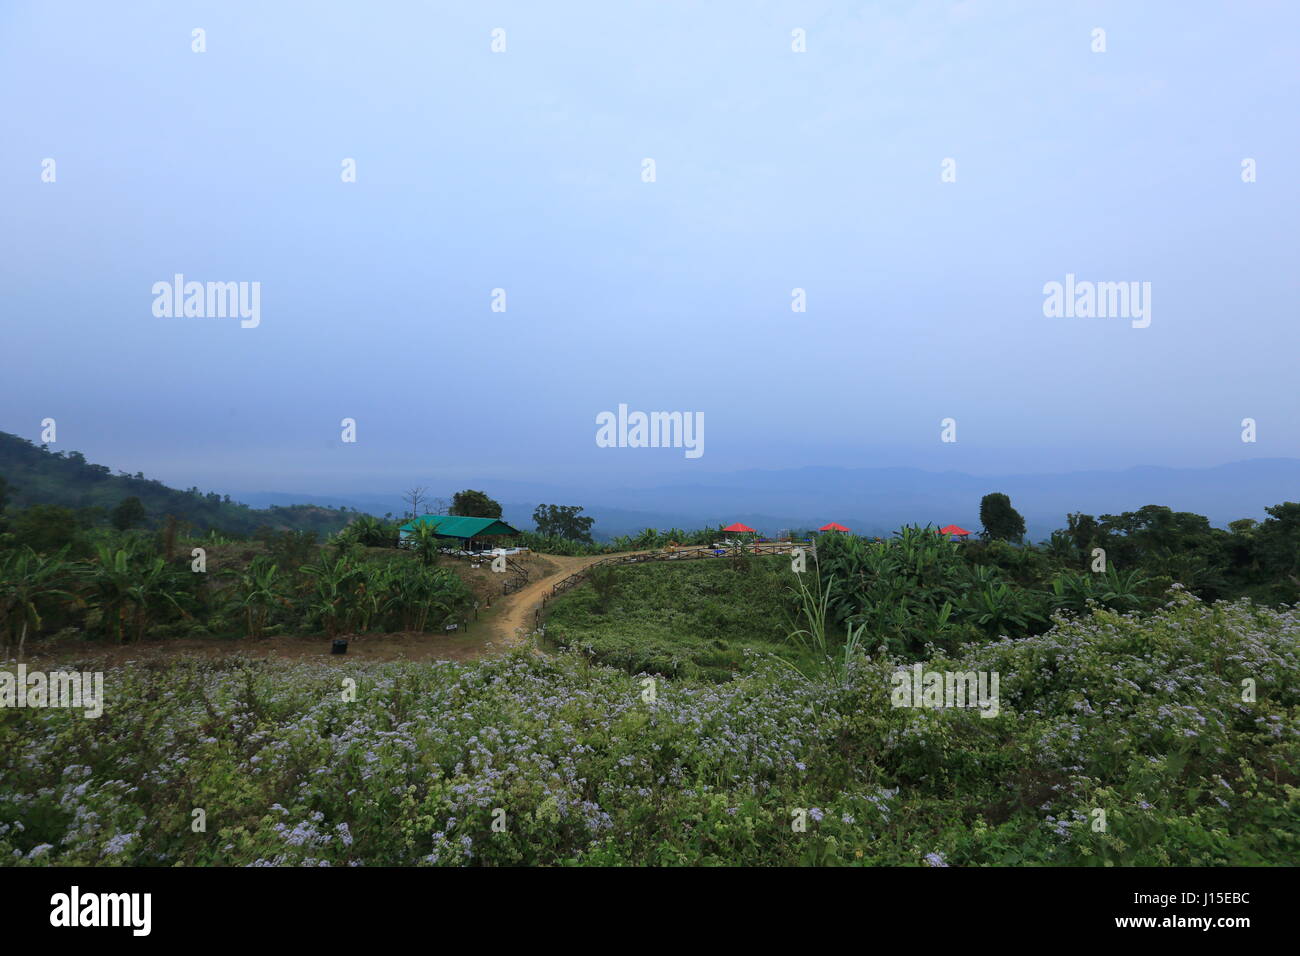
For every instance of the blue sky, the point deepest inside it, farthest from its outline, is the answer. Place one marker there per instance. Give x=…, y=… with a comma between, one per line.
x=522, y=170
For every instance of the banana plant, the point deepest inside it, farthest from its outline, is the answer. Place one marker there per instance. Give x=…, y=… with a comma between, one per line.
x=427, y=544
x=155, y=588
x=28, y=579
x=256, y=593
x=1119, y=590
x=335, y=598
x=997, y=609
x=110, y=578
x=1072, y=591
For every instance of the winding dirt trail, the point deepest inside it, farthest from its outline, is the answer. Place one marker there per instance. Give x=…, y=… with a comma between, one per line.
x=514, y=621
x=505, y=626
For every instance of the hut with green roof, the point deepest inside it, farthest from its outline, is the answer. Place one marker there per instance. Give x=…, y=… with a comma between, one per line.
x=469, y=534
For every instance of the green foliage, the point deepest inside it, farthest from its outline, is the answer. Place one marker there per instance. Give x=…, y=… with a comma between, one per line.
x=1001, y=521
x=428, y=546
x=474, y=504
x=347, y=597
x=290, y=549
x=370, y=532
x=549, y=544
x=126, y=590
x=813, y=635
x=1143, y=719
x=257, y=592
x=37, y=476
x=563, y=521
x=698, y=618
x=913, y=590
x=130, y=590
x=45, y=528
x=29, y=582
x=128, y=514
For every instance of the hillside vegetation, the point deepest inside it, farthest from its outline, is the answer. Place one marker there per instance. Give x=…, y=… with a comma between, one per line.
x=37, y=476
x=690, y=618
x=1144, y=721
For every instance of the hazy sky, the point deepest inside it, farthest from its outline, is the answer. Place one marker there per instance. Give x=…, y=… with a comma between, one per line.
x=523, y=170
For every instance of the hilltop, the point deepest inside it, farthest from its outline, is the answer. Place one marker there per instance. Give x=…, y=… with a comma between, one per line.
x=38, y=476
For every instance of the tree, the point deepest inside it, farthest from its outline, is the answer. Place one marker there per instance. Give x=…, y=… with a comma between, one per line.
x=1001, y=521
x=45, y=528
x=128, y=513
x=5, y=489
x=415, y=496
x=371, y=532
x=1083, y=531
x=474, y=504
x=563, y=521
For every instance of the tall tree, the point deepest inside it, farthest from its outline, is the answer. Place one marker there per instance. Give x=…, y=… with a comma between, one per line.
x=563, y=521
x=1083, y=530
x=474, y=504
x=128, y=514
x=414, y=497
x=1001, y=521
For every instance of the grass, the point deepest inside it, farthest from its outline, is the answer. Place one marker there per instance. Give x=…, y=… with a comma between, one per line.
x=696, y=619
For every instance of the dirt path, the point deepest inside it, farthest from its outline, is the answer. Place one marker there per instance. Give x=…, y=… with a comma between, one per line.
x=507, y=624
x=514, y=621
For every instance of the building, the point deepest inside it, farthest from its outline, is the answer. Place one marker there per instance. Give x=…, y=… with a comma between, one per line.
x=468, y=534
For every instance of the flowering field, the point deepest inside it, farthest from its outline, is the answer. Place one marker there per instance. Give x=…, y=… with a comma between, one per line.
x=535, y=760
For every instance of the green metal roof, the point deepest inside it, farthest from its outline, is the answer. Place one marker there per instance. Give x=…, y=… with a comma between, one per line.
x=456, y=526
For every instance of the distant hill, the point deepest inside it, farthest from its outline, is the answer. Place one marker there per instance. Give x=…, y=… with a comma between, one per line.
x=875, y=501
x=38, y=476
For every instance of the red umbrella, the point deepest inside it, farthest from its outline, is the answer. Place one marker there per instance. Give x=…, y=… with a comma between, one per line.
x=833, y=526
x=738, y=528
x=953, y=529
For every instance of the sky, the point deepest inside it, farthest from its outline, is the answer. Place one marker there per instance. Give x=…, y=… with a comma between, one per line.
x=524, y=169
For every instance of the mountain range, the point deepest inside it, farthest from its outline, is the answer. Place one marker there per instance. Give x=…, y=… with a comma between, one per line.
x=872, y=500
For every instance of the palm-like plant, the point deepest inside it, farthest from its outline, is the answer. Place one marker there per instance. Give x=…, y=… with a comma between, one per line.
x=1119, y=590
x=28, y=579
x=1072, y=591
x=337, y=588
x=371, y=532
x=121, y=589
x=427, y=544
x=256, y=592
x=110, y=580
x=993, y=605
x=401, y=595
x=155, y=588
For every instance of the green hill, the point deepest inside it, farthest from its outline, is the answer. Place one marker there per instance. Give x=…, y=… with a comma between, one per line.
x=38, y=476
